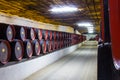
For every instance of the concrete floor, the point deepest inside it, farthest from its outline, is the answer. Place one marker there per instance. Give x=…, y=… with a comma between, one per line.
x=79, y=65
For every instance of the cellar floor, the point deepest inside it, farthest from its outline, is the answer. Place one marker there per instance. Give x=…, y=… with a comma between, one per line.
x=79, y=65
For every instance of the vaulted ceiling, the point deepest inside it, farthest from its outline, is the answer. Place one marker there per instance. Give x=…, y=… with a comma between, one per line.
x=39, y=10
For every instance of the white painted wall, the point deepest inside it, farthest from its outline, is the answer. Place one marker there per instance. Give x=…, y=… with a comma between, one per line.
x=24, y=69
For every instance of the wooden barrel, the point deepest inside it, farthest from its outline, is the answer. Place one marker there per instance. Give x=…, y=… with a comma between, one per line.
x=7, y=32
x=36, y=47
x=23, y=33
x=5, y=51
x=60, y=44
x=49, y=35
x=28, y=49
x=45, y=34
x=43, y=46
x=53, y=45
x=54, y=35
x=62, y=35
x=10, y=33
x=38, y=33
x=49, y=45
x=17, y=49
x=57, y=36
x=56, y=43
x=64, y=43
x=30, y=33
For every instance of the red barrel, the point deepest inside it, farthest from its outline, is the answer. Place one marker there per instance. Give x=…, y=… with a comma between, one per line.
x=49, y=45
x=28, y=49
x=38, y=33
x=67, y=35
x=30, y=33
x=17, y=49
x=50, y=35
x=60, y=35
x=7, y=32
x=63, y=35
x=57, y=36
x=43, y=46
x=23, y=33
x=45, y=34
x=36, y=47
x=5, y=51
x=56, y=45
x=54, y=35
x=53, y=45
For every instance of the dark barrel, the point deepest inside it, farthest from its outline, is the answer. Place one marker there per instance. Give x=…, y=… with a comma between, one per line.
x=5, y=51
x=69, y=36
x=45, y=34
x=60, y=35
x=50, y=35
x=38, y=33
x=30, y=33
x=36, y=47
x=56, y=43
x=61, y=44
x=17, y=49
x=57, y=36
x=43, y=46
x=23, y=33
x=53, y=45
x=54, y=35
x=49, y=45
x=65, y=35
x=7, y=32
x=28, y=49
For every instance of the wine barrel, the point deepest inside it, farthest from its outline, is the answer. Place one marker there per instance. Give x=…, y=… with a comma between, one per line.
x=23, y=33
x=54, y=35
x=57, y=36
x=28, y=49
x=49, y=45
x=7, y=32
x=30, y=33
x=56, y=43
x=36, y=47
x=38, y=33
x=61, y=43
x=64, y=43
x=17, y=49
x=43, y=46
x=53, y=45
x=5, y=51
x=62, y=35
x=50, y=35
x=45, y=34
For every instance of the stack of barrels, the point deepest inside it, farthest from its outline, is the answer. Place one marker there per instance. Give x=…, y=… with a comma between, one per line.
x=18, y=42
x=77, y=38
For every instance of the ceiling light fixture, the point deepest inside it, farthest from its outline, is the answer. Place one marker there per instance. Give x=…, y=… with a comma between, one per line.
x=85, y=24
x=64, y=9
x=90, y=29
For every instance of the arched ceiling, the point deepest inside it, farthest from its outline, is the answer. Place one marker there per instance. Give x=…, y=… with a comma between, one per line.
x=39, y=10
